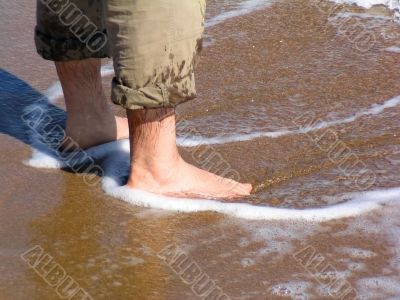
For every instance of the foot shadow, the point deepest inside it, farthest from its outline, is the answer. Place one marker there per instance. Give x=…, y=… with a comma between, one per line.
x=16, y=99
x=28, y=116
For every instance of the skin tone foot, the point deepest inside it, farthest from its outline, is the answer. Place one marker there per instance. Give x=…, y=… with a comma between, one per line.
x=157, y=167
x=90, y=120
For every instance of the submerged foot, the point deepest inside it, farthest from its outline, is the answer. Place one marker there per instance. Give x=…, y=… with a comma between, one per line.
x=92, y=132
x=182, y=179
x=157, y=167
x=90, y=120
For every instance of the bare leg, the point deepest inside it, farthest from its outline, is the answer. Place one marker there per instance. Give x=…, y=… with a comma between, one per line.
x=90, y=120
x=157, y=167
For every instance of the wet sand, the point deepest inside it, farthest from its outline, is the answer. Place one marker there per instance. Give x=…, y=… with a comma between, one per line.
x=259, y=72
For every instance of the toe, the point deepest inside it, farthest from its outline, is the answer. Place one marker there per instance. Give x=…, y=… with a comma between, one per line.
x=243, y=189
x=248, y=188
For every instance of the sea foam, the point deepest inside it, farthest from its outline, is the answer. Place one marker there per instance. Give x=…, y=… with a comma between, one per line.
x=392, y=4
x=113, y=159
x=244, y=8
x=372, y=110
x=394, y=49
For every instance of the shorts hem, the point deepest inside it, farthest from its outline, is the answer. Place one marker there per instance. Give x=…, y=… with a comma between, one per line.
x=151, y=96
x=56, y=49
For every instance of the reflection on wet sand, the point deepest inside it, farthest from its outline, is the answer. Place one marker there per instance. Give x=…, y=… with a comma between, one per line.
x=113, y=251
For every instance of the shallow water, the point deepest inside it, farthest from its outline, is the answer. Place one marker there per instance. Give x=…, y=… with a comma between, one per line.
x=294, y=98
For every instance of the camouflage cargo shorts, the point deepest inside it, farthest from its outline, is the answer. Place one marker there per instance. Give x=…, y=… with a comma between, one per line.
x=154, y=44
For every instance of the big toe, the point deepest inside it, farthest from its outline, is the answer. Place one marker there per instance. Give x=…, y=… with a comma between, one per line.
x=246, y=188
x=242, y=189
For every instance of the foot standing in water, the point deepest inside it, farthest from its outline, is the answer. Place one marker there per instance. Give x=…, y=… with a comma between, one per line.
x=154, y=45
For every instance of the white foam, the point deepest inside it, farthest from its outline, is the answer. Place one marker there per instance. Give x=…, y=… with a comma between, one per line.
x=107, y=70
x=361, y=16
x=44, y=160
x=247, y=262
x=200, y=140
x=385, y=226
x=293, y=290
x=54, y=92
x=358, y=253
x=276, y=237
x=244, y=8
x=380, y=287
x=114, y=160
x=356, y=266
x=359, y=204
x=392, y=4
x=394, y=49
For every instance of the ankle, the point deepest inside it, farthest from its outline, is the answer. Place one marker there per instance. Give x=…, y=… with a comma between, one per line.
x=156, y=165
x=154, y=170
x=82, y=87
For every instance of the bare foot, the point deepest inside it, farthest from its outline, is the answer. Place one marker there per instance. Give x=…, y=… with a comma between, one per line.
x=157, y=167
x=92, y=132
x=179, y=178
x=90, y=120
